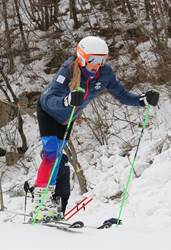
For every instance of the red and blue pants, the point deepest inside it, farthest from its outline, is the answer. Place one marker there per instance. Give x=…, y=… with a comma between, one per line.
x=51, y=150
x=52, y=134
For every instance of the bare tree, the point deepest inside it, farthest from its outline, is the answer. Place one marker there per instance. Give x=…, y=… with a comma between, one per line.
x=21, y=28
x=126, y=5
x=2, y=152
x=8, y=39
x=1, y=192
x=85, y=14
x=158, y=14
x=16, y=108
x=42, y=12
x=98, y=124
x=147, y=9
x=72, y=156
x=73, y=13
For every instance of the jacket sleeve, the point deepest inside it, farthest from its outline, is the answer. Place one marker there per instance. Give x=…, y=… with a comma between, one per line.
x=117, y=90
x=53, y=97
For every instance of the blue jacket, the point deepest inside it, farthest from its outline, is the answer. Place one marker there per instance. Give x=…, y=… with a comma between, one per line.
x=52, y=99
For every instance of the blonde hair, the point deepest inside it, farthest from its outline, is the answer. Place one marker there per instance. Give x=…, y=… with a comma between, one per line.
x=76, y=76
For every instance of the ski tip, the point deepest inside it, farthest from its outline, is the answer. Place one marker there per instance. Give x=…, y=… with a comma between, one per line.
x=113, y=221
x=77, y=224
x=110, y=222
x=105, y=225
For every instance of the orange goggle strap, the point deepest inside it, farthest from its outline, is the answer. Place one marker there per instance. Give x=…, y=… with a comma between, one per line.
x=83, y=57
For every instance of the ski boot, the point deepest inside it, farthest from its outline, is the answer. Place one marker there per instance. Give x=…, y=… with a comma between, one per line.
x=57, y=203
x=51, y=208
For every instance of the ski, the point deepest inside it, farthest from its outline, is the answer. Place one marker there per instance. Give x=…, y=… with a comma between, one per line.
x=62, y=225
x=105, y=225
x=109, y=223
x=65, y=226
x=76, y=224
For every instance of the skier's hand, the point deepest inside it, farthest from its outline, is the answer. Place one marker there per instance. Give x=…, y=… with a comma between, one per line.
x=75, y=98
x=151, y=97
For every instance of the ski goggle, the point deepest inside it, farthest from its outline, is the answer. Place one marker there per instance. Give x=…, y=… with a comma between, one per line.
x=96, y=59
x=93, y=59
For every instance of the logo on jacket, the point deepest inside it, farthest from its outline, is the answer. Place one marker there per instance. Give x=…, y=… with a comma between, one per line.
x=60, y=79
x=97, y=85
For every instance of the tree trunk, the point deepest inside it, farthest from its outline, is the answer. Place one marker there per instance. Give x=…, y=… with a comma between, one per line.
x=8, y=38
x=123, y=7
x=56, y=10
x=72, y=156
x=131, y=12
x=6, y=80
x=25, y=46
x=24, y=147
x=1, y=194
x=147, y=9
x=73, y=13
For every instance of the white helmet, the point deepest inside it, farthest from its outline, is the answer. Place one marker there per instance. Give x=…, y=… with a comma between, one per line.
x=92, y=46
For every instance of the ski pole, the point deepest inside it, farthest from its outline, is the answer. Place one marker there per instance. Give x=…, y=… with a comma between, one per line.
x=56, y=164
x=26, y=188
x=25, y=205
x=146, y=118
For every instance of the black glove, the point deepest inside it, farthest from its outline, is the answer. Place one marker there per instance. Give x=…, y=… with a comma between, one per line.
x=75, y=98
x=151, y=97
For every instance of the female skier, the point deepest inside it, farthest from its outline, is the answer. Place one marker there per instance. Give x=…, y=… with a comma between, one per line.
x=89, y=71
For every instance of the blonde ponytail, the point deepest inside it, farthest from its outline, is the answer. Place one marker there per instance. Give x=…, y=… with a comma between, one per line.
x=76, y=76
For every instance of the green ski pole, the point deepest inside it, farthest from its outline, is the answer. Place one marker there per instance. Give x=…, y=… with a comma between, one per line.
x=132, y=165
x=55, y=164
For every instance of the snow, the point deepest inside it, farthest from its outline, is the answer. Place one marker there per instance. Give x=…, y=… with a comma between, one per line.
x=147, y=211
x=37, y=237
x=147, y=54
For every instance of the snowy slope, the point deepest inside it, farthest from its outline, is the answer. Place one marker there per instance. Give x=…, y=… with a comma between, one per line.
x=147, y=212
x=19, y=237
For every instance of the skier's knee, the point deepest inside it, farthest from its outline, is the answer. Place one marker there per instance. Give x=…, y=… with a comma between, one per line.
x=51, y=145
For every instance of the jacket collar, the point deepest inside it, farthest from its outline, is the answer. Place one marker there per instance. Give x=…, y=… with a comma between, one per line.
x=89, y=74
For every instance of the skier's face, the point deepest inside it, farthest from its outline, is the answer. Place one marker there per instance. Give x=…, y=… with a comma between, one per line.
x=93, y=67
x=94, y=62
